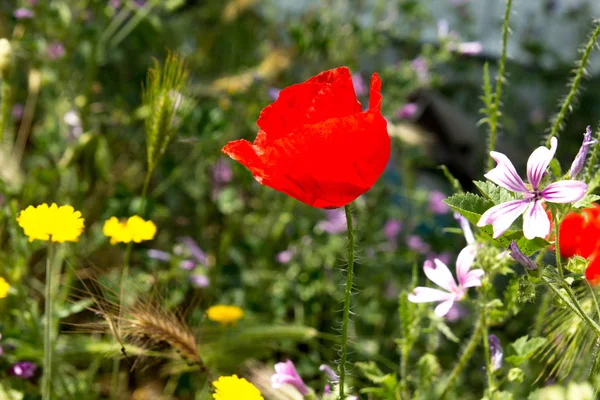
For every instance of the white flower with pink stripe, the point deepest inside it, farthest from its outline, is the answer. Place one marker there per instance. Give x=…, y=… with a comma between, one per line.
x=438, y=273
x=535, y=220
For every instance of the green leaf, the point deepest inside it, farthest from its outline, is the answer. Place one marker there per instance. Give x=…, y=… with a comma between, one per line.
x=587, y=201
x=525, y=348
x=445, y=330
x=494, y=192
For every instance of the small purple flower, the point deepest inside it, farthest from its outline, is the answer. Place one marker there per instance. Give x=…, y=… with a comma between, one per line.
x=417, y=244
x=438, y=273
x=188, y=265
x=469, y=48
x=327, y=389
x=444, y=257
x=32, y=3
x=222, y=172
x=392, y=229
x=334, y=222
x=407, y=111
x=158, y=255
x=359, y=85
x=285, y=256
x=579, y=160
x=535, y=219
x=496, y=352
x=114, y=3
x=200, y=281
x=419, y=64
x=521, y=258
x=329, y=372
x=140, y=3
x=194, y=250
x=17, y=111
x=273, y=93
x=23, y=369
x=23, y=13
x=436, y=203
x=285, y=373
x=55, y=50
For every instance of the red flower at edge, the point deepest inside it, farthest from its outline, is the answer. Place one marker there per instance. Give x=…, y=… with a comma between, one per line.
x=315, y=144
x=580, y=235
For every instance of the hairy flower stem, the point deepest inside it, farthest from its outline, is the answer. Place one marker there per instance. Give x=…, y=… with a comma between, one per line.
x=566, y=105
x=48, y=324
x=594, y=298
x=124, y=273
x=557, y=247
x=488, y=358
x=493, y=118
x=466, y=356
x=347, y=298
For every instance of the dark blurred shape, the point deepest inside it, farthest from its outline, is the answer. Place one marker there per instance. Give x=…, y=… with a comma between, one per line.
x=456, y=142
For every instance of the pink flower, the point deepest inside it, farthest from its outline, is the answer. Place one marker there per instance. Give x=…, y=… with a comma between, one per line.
x=407, y=111
x=285, y=373
x=438, y=273
x=535, y=219
x=436, y=203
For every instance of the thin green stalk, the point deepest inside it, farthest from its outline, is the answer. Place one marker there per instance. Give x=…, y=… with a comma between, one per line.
x=488, y=358
x=115, y=382
x=48, y=324
x=493, y=117
x=405, y=349
x=566, y=105
x=347, y=298
x=4, y=100
x=557, y=247
x=131, y=24
x=466, y=355
x=594, y=298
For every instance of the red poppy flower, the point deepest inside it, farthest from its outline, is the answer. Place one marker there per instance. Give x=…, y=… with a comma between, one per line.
x=580, y=235
x=316, y=144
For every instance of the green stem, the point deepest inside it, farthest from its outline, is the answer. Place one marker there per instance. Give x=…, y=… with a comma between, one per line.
x=466, y=356
x=4, y=100
x=493, y=123
x=405, y=349
x=488, y=358
x=557, y=247
x=347, y=298
x=130, y=25
x=594, y=298
x=47, y=378
x=566, y=106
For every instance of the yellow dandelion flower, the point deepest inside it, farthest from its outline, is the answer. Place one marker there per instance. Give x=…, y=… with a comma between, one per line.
x=4, y=288
x=54, y=223
x=234, y=388
x=135, y=229
x=225, y=315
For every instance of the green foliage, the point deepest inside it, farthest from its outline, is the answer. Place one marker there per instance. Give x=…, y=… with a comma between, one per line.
x=525, y=348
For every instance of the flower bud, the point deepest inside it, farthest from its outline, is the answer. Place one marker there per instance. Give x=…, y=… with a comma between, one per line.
x=579, y=160
x=521, y=258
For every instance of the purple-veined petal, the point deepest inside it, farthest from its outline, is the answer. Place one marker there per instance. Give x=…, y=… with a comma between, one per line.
x=473, y=278
x=503, y=215
x=505, y=174
x=466, y=228
x=438, y=273
x=422, y=294
x=464, y=261
x=564, y=191
x=443, y=308
x=538, y=163
x=535, y=221
x=579, y=160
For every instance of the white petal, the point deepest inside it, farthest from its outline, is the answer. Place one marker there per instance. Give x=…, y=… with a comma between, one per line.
x=564, y=191
x=423, y=294
x=535, y=221
x=443, y=308
x=473, y=278
x=538, y=163
x=505, y=174
x=464, y=261
x=438, y=273
x=503, y=215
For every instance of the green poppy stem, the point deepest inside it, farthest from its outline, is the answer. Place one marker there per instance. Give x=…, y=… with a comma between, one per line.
x=48, y=324
x=347, y=298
